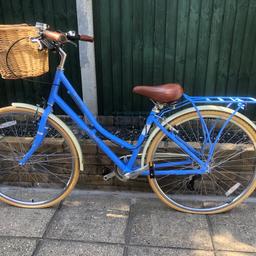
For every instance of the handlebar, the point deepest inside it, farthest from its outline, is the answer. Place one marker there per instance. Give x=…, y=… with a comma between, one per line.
x=85, y=38
x=64, y=37
x=55, y=36
x=54, y=40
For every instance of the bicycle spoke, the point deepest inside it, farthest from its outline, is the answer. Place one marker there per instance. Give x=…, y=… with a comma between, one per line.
x=50, y=167
x=231, y=170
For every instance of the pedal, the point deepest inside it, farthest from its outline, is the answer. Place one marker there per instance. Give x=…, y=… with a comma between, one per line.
x=108, y=173
x=109, y=176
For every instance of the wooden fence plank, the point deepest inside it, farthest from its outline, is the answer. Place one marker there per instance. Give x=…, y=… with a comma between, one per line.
x=192, y=45
x=127, y=49
x=181, y=39
x=225, y=48
x=214, y=47
x=170, y=40
x=148, y=46
x=137, y=54
x=237, y=45
x=116, y=54
x=203, y=46
x=247, y=51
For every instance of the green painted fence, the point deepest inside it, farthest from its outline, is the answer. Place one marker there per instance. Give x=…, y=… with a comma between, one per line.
x=60, y=14
x=206, y=45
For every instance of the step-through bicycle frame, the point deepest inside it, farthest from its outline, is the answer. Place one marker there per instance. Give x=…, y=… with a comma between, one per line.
x=153, y=118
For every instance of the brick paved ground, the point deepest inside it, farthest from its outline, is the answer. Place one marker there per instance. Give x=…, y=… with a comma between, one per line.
x=122, y=223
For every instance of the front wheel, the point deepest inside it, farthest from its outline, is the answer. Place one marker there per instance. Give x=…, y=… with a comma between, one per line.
x=232, y=173
x=52, y=171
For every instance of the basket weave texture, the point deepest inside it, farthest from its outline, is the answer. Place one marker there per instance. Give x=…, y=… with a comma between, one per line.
x=19, y=57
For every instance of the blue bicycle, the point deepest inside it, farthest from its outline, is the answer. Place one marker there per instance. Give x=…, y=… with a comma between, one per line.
x=197, y=152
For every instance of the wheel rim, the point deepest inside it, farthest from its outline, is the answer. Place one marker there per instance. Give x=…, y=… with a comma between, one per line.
x=49, y=173
x=192, y=192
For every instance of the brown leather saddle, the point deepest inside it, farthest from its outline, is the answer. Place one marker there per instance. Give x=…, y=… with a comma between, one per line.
x=164, y=93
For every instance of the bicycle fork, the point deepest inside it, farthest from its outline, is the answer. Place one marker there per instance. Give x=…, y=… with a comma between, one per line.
x=43, y=128
x=41, y=133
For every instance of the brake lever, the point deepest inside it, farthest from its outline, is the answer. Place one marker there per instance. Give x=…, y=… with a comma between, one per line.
x=71, y=42
x=47, y=44
x=38, y=41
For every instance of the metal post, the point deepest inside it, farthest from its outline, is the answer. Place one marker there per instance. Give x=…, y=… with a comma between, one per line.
x=87, y=55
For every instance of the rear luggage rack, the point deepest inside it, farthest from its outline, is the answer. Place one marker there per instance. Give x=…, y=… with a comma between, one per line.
x=228, y=101
x=222, y=100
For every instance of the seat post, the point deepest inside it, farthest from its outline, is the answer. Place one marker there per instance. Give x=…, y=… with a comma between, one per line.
x=157, y=106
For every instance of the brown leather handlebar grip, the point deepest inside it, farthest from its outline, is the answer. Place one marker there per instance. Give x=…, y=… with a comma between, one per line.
x=86, y=38
x=55, y=36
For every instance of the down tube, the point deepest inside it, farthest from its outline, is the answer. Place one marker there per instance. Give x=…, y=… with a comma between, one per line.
x=82, y=106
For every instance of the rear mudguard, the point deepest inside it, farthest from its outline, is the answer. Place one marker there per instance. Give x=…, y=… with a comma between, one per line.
x=186, y=111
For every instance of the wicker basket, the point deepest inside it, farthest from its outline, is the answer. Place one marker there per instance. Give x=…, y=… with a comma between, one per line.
x=19, y=57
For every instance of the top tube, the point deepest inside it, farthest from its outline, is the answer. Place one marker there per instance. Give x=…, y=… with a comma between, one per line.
x=60, y=77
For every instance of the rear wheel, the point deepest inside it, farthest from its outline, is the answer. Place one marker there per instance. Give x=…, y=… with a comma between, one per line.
x=52, y=171
x=232, y=174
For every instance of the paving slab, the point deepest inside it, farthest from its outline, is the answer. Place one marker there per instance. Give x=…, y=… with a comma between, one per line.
x=17, y=247
x=236, y=230
x=95, y=223
x=235, y=254
x=97, y=200
x=100, y=219
x=24, y=222
x=60, y=248
x=149, y=251
x=157, y=225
